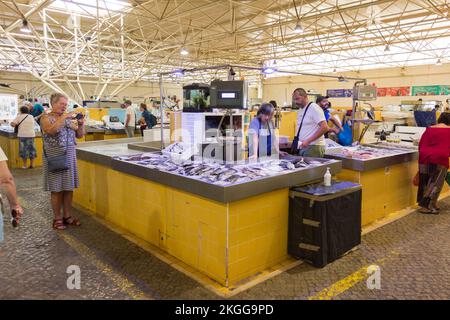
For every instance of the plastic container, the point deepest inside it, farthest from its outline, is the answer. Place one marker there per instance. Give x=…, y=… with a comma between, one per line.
x=327, y=178
x=186, y=154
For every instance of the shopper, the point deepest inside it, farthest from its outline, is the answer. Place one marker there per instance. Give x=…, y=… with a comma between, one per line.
x=324, y=103
x=59, y=132
x=274, y=103
x=27, y=149
x=130, y=119
x=434, y=151
x=7, y=184
x=311, y=125
x=262, y=141
x=147, y=120
x=37, y=110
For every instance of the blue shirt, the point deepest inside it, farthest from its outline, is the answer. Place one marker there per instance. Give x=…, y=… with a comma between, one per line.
x=327, y=114
x=264, y=133
x=38, y=109
x=148, y=118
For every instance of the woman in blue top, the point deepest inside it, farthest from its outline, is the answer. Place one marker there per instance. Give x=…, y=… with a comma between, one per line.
x=148, y=120
x=262, y=141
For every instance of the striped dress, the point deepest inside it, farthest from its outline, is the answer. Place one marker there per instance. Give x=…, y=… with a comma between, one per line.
x=55, y=145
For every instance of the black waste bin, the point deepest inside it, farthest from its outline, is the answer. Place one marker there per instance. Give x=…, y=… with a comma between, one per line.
x=324, y=222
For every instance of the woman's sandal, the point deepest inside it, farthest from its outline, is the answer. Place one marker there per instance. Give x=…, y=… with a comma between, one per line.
x=58, y=224
x=71, y=221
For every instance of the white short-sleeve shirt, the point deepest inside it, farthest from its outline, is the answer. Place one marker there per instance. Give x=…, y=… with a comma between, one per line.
x=130, y=111
x=26, y=127
x=311, y=123
x=3, y=156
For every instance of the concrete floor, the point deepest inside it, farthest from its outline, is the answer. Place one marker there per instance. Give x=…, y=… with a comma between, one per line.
x=413, y=255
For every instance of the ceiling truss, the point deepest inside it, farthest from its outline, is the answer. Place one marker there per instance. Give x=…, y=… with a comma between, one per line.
x=112, y=44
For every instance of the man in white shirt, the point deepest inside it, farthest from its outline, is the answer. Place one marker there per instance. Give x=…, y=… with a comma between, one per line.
x=311, y=141
x=130, y=119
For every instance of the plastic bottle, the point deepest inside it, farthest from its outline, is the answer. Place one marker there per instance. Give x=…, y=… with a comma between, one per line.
x=327, y=178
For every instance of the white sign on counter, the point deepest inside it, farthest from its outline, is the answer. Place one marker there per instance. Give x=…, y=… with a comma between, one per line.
x=9, y=106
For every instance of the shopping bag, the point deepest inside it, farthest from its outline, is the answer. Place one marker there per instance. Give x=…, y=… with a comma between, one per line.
x=345, y=136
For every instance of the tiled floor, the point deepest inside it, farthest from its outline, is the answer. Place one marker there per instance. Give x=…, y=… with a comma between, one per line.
x=413, y=254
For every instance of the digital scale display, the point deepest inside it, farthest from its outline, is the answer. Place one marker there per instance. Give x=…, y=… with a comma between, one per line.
x=228, y=95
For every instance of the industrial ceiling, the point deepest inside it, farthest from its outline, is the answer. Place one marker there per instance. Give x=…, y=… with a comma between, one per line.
x=123, y=41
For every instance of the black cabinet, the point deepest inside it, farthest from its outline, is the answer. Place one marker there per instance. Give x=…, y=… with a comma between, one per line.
x=324, y=226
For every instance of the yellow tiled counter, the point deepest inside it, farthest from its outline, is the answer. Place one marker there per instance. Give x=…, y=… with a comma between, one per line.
x=384, y=190
x=103, y=136
x=226, y=241
x=10, y=146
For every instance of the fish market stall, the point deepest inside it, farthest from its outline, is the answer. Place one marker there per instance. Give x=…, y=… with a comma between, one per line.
x=385, y=172
x=104, y=133
x=228, y=222
x=10, y=145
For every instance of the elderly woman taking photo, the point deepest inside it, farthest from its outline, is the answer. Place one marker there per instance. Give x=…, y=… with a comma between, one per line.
x=60, y=130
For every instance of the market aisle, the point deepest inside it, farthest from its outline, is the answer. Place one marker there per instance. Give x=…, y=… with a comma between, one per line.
x=411, y=252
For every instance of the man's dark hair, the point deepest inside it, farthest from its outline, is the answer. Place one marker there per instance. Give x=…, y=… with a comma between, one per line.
x=24, y=109
x=321, y=98
x=444, y=118
x=274, y=103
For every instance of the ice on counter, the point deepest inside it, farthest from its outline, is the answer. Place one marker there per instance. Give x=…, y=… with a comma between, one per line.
x=216, y=173
x=364, y=152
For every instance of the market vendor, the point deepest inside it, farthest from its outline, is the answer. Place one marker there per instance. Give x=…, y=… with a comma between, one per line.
x=324, y=103
x=262, y=141
x=311, y=126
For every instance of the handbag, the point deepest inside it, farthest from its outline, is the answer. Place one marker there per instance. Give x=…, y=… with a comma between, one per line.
x=16, y=128
x=57, y=163
x=294, y=145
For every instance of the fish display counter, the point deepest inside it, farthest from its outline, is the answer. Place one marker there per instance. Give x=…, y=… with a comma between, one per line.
x=371, y=157
x=385, y=172
x=228, y=222
x=10, y=145
x=95, y=133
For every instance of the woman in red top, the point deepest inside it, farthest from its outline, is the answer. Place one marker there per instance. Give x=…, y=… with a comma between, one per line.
x=434, y=151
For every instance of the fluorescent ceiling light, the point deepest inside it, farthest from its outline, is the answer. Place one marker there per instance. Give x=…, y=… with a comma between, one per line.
x=298, y=28
x=178, y=72
x=25, y=28
x=268, y=70
x=184, y=52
